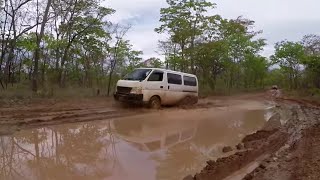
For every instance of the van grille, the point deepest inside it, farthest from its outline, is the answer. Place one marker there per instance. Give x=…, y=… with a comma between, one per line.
x=123, y=90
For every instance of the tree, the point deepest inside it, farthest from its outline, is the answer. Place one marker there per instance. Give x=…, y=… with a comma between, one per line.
x=87, y=18
x=134, y=59
x=289, y=56
x=210, y=46
x=184, y=20
x=37, y=51
x=311, y=45
x=256, y=69
x=69, y=42
x=15, y=25
x=154, y=62
x=116, y=51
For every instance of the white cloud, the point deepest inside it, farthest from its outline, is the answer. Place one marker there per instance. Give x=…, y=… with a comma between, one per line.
x=134, y=8
x=279, y=19
x=143, y=16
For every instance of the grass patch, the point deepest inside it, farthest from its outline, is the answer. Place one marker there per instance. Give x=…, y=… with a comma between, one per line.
x=21, y=94
x=312, y=94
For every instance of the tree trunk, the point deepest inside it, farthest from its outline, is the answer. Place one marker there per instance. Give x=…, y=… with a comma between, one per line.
x=63, y=60
x=43, y=71
x=19, y=75
x=109, y=82
x=37, y=52
x=7, y=66
x=113, y=66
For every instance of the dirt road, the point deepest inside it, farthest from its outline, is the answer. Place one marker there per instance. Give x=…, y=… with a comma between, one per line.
x=45, y=113
x=54, y=112
x=286, y=148
x=239, y=137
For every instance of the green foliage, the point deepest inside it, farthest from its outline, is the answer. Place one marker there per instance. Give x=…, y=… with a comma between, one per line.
x=77, y=49
x=28, y=42
x=311, y=62
x=155, y=62
x=81, y=47
x=216, y=49
x=255, y=69
x=184, y=21
x=134, y=60
x=299, y=62
x=289, y=56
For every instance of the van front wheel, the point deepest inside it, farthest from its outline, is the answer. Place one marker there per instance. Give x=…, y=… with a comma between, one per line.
x=155, y=102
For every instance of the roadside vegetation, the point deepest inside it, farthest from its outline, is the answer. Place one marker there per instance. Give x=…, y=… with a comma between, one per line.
x=51, y=48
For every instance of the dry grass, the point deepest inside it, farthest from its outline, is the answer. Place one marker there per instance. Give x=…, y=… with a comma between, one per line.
x=311, y=95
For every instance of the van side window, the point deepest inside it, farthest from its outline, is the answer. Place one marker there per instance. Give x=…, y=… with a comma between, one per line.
x=156, y=76
x=189, y=81
x=174, y=79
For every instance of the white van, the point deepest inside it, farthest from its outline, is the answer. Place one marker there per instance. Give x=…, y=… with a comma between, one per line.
x=156, y=87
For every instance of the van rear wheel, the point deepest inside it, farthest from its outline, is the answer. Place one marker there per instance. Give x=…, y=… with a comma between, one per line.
x=155, y=102
x=186, y=101
x=189, y=100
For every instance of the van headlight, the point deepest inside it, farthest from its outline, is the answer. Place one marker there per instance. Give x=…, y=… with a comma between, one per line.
x=136, y=90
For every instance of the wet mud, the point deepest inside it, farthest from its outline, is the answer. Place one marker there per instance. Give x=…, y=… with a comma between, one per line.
x=287, y=147
x=50, y=112
x=96, y=140
x=231, y=138
x=265, y=143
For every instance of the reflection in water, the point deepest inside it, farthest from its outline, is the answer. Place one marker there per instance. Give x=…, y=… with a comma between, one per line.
x=141, y=147
x=58, y=153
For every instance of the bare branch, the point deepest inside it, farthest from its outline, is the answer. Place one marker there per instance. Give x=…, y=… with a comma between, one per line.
x=27, y=29
x=24, y=150
x=4, y=9
x=22, y=4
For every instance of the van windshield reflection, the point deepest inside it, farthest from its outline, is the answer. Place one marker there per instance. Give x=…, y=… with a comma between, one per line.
x=138, y=75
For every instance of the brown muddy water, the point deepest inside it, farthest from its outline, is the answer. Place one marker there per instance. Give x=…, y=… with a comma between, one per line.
x=163, y=145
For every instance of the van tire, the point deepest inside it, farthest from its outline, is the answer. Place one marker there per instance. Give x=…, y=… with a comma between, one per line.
x=155, y=102
x=186, y=101
x=189, y=100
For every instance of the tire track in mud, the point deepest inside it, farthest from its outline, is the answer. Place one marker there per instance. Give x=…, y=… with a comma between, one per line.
x=55, y=114
x=298, y=159
x=9, y=123
x=277, y=146
x=17, y=118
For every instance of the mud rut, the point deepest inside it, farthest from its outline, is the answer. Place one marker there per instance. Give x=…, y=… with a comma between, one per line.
x=15, y=119
x=12, y=120
x=288, y=147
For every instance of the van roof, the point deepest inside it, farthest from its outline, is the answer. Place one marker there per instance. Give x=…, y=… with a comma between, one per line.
x=168, y=70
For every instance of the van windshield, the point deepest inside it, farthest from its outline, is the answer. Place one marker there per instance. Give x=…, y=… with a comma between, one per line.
x=138, y=75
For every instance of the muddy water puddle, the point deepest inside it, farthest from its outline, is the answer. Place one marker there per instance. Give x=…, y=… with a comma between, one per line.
x=163, y=145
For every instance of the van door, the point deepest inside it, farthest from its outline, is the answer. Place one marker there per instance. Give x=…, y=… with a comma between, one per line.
x=155, y=86
x=174, y=89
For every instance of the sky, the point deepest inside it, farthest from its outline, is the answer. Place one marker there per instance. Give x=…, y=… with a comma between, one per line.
x=278, y=19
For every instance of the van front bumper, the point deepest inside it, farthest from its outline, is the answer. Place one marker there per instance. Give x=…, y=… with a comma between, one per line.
x=131, y=98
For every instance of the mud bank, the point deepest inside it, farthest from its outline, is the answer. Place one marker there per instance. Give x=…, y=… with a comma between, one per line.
x=288, y=147
x=298, y=161
x=256, y=145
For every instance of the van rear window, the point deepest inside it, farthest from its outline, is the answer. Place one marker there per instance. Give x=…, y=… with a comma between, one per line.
x=174, y=79
x=189, y=81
